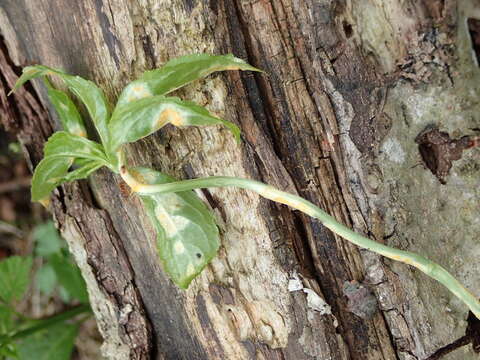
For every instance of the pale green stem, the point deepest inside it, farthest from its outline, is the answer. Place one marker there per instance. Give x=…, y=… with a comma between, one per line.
x=428, y=267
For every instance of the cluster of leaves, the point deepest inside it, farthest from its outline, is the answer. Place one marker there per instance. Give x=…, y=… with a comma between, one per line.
x=186, y=232
x=24, y=338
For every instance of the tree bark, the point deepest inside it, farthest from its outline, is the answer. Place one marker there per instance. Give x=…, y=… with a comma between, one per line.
x=348, y=87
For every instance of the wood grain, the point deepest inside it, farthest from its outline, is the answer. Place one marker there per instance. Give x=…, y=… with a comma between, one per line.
x=309, y=126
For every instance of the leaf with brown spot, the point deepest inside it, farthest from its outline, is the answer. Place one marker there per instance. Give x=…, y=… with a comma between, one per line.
x=140, y=118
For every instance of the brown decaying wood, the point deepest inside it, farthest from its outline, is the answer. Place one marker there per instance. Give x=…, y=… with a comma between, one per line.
x=292, y=121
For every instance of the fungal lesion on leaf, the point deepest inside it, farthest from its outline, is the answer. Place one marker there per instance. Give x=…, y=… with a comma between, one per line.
x=169, y=115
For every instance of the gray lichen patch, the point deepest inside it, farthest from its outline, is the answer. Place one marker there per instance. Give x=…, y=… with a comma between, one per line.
x=440, y=221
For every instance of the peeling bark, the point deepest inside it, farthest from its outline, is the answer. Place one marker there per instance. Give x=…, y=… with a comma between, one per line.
x=325, y=123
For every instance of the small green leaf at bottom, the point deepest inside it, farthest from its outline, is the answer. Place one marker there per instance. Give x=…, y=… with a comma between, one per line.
x=187, y=235
x=54, y=343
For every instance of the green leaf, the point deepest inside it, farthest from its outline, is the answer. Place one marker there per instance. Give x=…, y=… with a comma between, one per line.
x=83, y=171
x=187, y=236
x=79, y=162
x=47, y=239
x=46, y=279
x=65, y=144
x=8, y=349
x=69, y=277
x=48, y=175
x=179, y=72
x=143, y=117
x=35, y=71
x=67, y=111
x=60, y=151
x=85, y=90
x=6, y=319
x=54, y=343
x=64, y=294
x=14, y=277
x=7, y=325
x=95, y=102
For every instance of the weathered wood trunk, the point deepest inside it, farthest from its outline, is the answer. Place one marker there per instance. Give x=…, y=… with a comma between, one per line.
x=348, y=87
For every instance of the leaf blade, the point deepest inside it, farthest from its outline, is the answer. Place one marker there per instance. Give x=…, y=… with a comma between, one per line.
x=69, y=276
x=143, y=117
x=60, y=151
x=179, y=72
x=47, y=240
x=91, y=95
x=82, y=172
x=14, y=277
x=95, y=102
x=32, y=72
x=54, y=343
x=67, y=111
x=187, y=235
x=65, y=144
x=47, y=176
x=46, y=279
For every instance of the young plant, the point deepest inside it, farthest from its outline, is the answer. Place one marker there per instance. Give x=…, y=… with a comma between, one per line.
x=24, y=338
x=187, y=236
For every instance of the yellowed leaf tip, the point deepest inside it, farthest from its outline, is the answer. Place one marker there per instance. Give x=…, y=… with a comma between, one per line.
x=45, y=202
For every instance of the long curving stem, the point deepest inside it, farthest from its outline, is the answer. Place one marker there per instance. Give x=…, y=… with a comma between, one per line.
x=430, y=268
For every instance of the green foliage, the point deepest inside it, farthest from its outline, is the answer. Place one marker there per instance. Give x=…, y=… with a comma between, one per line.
x=46, y=279
x=68, y=145
x=187, y=236
x=95, y=102
x=60, y=151
x=69, y=276
x=54, y=343
x=47, y=240
x=58, y=270
x=32, y=72
x=82, y=172
x=14, y=147
x=67, y=111
x=14, y=277
x=143, y=117
x=179, y=72
x=50, y=338
x=8, y=348
x=48, y=175
x=90, y=95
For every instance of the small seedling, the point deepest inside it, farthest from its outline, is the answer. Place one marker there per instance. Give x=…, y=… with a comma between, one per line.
x=187, y=236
